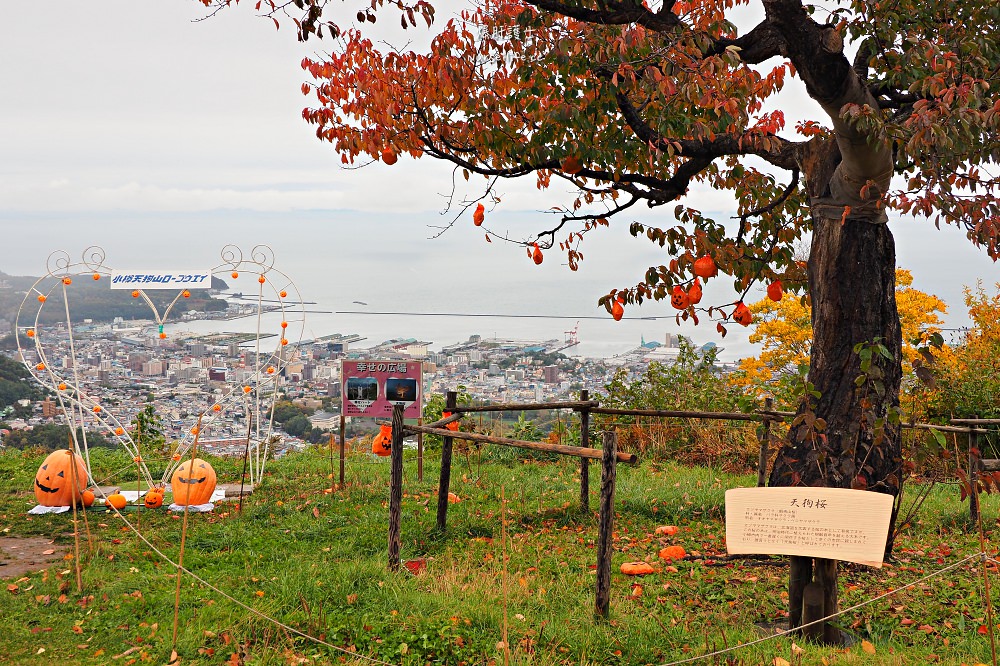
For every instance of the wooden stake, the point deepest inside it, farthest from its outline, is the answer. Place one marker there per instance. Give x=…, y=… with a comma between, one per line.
x=765, y=441
x=606, y=523
x=333, y=477
x=444, y=481
x=76, y=527
x=584, y=463
x=180, y=557
x=395, y=486
x=503, y=574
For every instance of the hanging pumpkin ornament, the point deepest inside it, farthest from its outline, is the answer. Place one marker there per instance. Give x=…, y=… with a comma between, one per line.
x=694, y=292
x=742, y=314
x=186, y=294
x=451, y=426
x=775, y=291
x=679, y=298
x=382, y=444
x=704, y=267
x=54, y=479
x=193, y=482
x=536, y=256
x=388, y=156
x=617, y=309
x=479, y=215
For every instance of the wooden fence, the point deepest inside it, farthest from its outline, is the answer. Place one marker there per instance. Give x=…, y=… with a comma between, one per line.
x=609, y=456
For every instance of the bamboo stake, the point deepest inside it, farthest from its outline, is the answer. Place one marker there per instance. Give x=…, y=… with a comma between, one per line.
x=503, y=574
x=180, y=557
x=76, y=527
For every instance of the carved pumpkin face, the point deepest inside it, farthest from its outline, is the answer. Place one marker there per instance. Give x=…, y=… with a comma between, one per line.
x=382, y=444
x=153, y=499
x=193, y=482
x=54, y=480
x=742, y=314
x=679, y=298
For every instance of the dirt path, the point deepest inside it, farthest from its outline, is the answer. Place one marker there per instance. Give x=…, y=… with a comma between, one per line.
x=21, y=555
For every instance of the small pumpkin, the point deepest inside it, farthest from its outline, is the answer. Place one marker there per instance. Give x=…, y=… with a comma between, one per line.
x=742, y=314
x=637, y=568
x=54, y=479
x=775, y=291
x=193, y=482
x=679, y=298
x=153, y=499
x=382, y=444
x=704, y=267
x=694, y=292
x=388, y=156
x=617, y=309
x=87, y=497
x=673, y=553
x=479, y=215
x=116, y=501
x=536, y=255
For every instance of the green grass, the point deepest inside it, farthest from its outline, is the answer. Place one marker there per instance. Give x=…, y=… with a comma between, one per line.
x=316, y=562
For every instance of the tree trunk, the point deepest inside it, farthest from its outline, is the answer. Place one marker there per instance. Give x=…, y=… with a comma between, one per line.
x=845, y=434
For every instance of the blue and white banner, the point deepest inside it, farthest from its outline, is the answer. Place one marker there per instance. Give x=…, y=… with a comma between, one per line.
x=161, y=279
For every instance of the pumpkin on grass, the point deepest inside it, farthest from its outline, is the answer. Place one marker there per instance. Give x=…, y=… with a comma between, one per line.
x=637, y=568
x=87, y=497
x=54, y=479
x=673, y=553
x=116, y=501
x=193, y=482
x=153, y=499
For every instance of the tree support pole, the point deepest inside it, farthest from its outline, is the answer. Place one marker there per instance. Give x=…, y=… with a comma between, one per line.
x=444, y=482
x=584, y=463
x=609, y=466
x=395, y=486
x=765, y=440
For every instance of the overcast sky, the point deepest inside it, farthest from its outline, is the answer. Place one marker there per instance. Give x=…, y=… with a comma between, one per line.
x=130, y=110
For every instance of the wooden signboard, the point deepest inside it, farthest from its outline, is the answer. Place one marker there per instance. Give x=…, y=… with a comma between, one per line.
x=831, y=523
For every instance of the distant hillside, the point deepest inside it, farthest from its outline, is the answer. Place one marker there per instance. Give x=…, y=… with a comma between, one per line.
x=16, y=383
x=93, y=299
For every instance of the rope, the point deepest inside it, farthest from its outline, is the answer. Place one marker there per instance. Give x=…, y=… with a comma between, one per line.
x=786, y=632
x=242, y=605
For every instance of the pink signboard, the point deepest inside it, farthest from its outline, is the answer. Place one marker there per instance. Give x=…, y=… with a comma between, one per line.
x=371, y=388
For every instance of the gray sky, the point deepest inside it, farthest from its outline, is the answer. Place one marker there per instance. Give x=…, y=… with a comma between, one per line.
x=129, y=110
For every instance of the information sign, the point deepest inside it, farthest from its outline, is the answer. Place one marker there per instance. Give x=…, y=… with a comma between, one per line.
x=831, y=523
x=371, y=388
x=144, y=279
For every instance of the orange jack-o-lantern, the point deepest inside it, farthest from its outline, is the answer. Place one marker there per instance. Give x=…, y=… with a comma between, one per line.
x=193, y=482
x=704, y=267
x=775, y=291
x=679, y=298
x=694, y=292
x=116, y=501
x=54, y=480
x=382, y=444
x=153, y=499
x=742, y=314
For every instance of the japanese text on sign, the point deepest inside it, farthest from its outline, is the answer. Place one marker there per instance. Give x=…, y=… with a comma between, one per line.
x=371, y=388
x=161, y=279
x=833, y=523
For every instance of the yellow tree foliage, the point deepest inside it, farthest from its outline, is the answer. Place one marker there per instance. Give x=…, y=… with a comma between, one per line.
x=784, y=331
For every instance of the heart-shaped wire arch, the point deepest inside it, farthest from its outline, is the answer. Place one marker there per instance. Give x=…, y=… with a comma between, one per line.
x=255, y=397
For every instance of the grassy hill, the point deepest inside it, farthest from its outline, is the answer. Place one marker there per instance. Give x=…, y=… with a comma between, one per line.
x=299, y=575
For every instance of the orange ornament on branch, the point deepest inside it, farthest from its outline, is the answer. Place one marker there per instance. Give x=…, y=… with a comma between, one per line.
x=388, y=156
x=571, y=165
x=536, y=256
x=617, y=309
x=479, y=215
x=694, y=292
x=742, y=314
x=704, y=267
x=775, y=291
x=679, y=298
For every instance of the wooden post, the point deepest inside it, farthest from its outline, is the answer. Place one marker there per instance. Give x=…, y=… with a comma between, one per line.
x=444, y=483
x=974, y=474
x=765, y=440
x=609, y=465
x=343, y=431
x=584, y=463
x=395, y=485
x=826, y=577
x=799, y=576
x=420, y=452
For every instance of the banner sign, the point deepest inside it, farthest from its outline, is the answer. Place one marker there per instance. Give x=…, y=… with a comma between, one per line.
x=371, y=388
x=161, y=279
x=830, y=523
